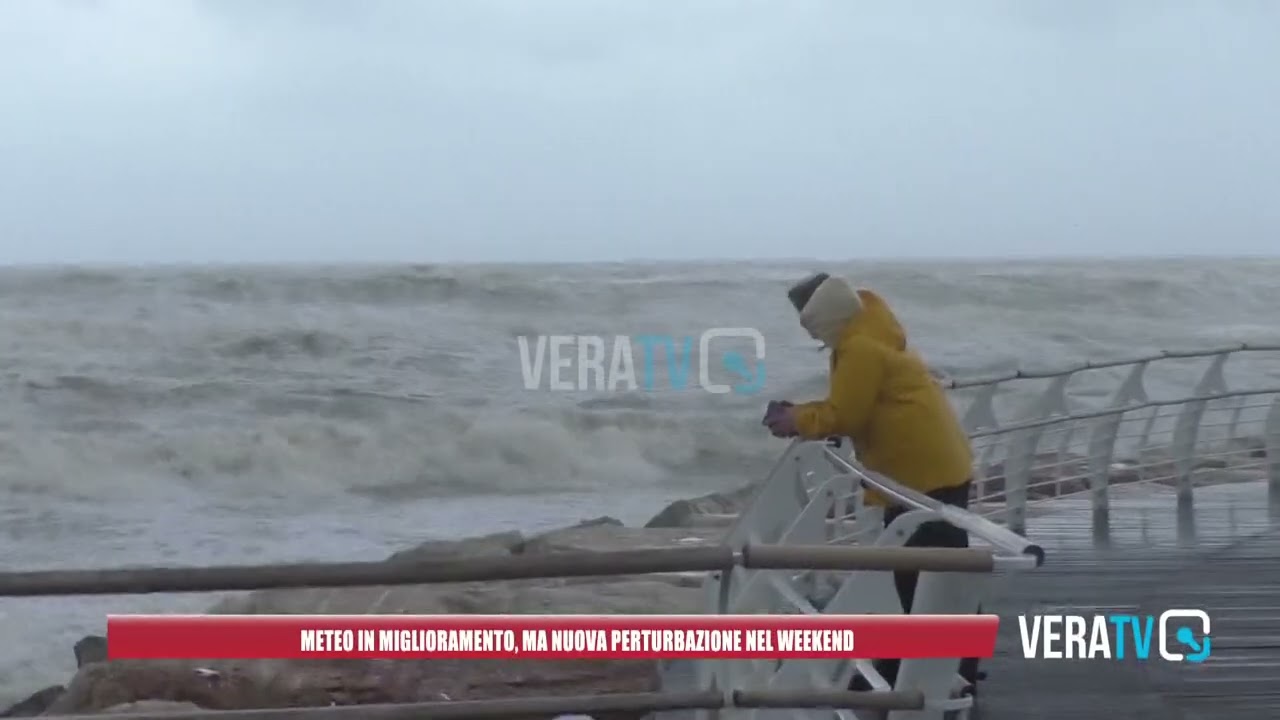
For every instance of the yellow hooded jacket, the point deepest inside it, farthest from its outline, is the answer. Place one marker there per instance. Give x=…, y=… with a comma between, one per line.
x=883, y=397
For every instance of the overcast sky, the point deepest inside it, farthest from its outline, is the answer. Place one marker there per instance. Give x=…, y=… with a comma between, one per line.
x=372, y=130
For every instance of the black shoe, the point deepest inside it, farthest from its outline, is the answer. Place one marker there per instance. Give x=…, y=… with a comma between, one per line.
x=971, y=690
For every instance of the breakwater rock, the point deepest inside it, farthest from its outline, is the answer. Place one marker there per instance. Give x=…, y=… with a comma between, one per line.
x=101, y=686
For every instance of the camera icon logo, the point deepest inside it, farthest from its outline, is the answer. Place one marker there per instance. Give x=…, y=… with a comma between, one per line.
x=1199, y=649
x=751, y=371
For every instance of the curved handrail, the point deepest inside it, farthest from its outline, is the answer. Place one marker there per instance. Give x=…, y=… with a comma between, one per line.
x=957, y=384
x=998, y=536
x=1118, y=410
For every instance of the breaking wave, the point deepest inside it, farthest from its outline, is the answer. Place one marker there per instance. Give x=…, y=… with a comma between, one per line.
x=430, y=453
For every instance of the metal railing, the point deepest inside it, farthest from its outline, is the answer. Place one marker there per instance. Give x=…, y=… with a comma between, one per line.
x=1028, y=446
x=814, y=495
x=1032, y=445
x=1090, y=427
x=1017, y=550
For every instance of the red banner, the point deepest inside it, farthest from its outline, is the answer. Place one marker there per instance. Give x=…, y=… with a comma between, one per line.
x=550, y=636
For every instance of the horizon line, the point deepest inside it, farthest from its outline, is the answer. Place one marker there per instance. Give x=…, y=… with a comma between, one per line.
x=1124, y=258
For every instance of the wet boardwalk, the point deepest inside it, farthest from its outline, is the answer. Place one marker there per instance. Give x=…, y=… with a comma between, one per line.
x=1230, y=568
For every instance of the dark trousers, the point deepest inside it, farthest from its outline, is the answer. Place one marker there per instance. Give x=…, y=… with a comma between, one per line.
x=931, y=534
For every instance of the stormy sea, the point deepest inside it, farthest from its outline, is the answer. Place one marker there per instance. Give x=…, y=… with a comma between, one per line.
x=190, y=416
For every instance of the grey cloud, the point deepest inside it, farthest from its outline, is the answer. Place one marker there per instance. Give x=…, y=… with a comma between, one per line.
x=568, y=129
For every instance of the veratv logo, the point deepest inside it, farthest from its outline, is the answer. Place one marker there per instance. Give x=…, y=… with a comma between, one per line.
x=1079, y=637
x=560, y=353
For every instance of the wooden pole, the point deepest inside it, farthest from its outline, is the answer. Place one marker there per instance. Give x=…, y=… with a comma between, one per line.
x=812, y=698
x=496, y=709
x=844, y=557
x=467, y=569
x=489, y=568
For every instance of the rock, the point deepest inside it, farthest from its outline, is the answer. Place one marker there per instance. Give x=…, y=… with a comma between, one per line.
x=602, y=520
x=381, y=599
x=576, y=595
x=1250, y=446
x=721, y=522
x=90, y=649
x=681, y=513
x=496, y=544
x=318, y=683
x=609, y=538
x=152, y=706
x=36, y=704
x=281, y=683
x=503, y=543
x=104, y=685
x=590, y=596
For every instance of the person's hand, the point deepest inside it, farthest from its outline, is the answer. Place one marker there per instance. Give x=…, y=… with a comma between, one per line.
x=780, y=419
x=773, y=409
x=784, y=424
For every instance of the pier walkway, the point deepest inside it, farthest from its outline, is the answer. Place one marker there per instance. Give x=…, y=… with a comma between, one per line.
x=1233, y=573
x=1195, y=532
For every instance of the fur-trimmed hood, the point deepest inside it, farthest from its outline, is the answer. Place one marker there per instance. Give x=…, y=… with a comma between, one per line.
x=830, y=309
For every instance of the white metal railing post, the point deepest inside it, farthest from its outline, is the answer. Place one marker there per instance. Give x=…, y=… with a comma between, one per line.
x=984, y=456
x=1022, y=450
x=982, y=413
x=1102, y=447
x=1186, y=434
x=1271, y=446
x=937, y=678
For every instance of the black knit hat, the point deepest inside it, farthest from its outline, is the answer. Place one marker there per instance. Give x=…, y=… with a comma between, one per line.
x=800, y=293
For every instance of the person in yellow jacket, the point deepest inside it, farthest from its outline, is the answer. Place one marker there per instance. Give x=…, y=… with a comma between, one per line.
x=883, y=398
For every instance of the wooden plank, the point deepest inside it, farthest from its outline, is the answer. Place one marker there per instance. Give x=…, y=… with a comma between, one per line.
x=1232, y=571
